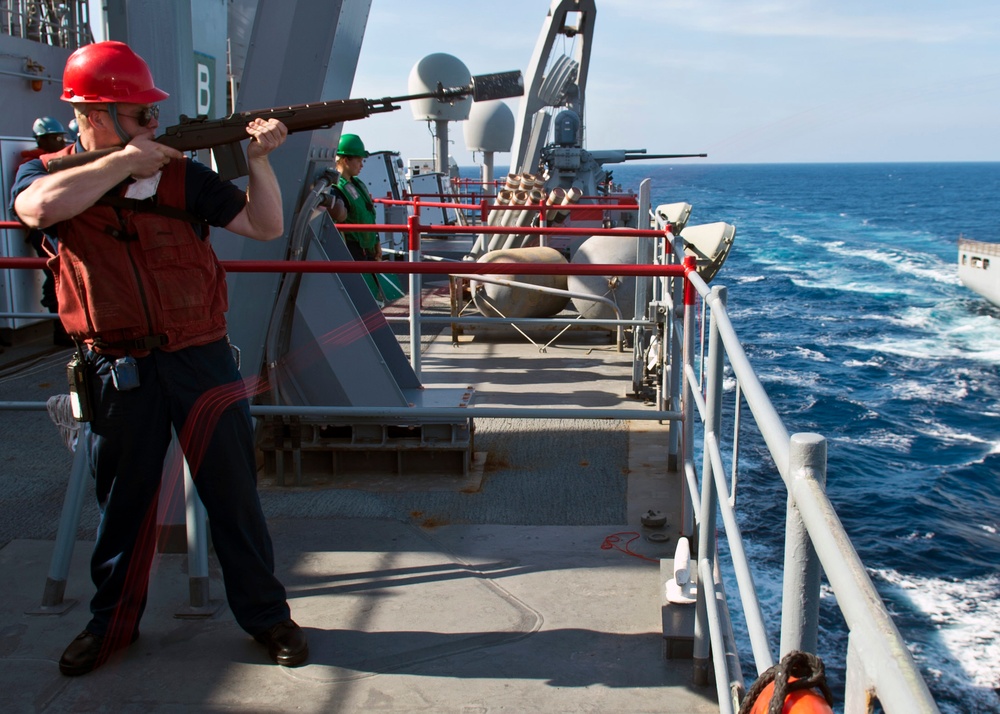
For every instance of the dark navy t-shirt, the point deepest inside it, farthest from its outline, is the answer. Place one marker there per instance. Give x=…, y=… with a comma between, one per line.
x=207, y=196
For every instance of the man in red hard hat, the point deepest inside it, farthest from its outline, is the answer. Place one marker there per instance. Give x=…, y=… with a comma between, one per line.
x=144, y=297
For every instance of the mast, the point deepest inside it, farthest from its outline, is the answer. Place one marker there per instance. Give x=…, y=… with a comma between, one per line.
x=559, y=84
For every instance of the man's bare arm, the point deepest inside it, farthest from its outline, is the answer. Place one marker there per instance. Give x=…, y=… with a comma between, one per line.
x=261, y=219
x=63, y=195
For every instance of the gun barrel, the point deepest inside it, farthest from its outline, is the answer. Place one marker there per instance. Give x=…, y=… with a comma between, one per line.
x=617, y=156
x=644, y=156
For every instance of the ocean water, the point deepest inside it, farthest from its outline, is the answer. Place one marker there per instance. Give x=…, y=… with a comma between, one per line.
x=843, y=287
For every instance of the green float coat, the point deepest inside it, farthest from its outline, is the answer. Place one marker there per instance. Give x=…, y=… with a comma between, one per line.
x=360, y=209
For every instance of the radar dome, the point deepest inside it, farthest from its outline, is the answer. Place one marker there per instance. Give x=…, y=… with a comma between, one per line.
x=490, y=127
x=450, y=72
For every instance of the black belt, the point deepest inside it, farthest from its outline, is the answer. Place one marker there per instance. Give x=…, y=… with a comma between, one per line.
x=141, y=344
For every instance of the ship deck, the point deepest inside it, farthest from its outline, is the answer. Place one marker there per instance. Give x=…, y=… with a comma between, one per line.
x=415, y=598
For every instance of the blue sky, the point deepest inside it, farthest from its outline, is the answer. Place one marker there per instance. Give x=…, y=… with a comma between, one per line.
x=745, y=81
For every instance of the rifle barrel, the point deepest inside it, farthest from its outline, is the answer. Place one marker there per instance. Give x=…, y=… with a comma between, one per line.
x=190, y=134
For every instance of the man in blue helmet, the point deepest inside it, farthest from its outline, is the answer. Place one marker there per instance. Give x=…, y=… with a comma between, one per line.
x=50, y=136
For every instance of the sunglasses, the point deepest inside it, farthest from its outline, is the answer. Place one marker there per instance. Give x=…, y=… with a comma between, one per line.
x=144, y=117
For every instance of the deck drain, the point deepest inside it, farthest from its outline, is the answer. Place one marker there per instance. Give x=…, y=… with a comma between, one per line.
x=653, y=519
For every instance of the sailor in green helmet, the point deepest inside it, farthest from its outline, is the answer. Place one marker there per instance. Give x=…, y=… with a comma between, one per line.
x=351, y=155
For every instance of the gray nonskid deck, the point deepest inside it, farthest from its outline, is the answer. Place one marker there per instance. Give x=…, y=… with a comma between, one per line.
x=400, y=619
x=403, y=615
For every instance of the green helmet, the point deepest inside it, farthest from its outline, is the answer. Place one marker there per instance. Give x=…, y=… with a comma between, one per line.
x=351, y=145
x=46, y=125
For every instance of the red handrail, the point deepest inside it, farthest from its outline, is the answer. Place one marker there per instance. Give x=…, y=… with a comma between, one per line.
x=424, y=268
x=415, y=229
x=505, y=206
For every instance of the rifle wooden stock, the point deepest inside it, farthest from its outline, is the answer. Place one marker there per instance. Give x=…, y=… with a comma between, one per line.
x=223, y=136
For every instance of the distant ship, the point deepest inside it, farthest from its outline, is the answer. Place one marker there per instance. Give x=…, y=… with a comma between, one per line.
x=978, y=268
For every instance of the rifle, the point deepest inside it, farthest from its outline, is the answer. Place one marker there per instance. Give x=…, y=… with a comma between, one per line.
x=223, y=136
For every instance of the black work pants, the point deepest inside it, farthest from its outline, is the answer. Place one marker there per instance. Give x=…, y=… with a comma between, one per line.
x=198, y=391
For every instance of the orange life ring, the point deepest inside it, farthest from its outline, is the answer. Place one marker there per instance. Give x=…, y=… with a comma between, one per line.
x=803, y=701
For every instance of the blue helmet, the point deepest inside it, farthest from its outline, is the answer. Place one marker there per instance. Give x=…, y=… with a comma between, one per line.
x=72, y=130
x=46, y=125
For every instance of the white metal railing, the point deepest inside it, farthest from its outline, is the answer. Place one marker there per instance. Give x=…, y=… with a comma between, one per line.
x=879, y=666
x=980, y=247
x=49, y=22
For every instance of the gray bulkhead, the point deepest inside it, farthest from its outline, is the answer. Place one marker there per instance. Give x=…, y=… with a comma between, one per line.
x=285, y=53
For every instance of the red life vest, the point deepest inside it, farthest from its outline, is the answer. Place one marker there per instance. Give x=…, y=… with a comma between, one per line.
x=123, y=275
x=29, y=154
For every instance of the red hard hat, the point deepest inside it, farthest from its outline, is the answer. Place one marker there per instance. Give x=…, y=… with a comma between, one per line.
x=109, y=72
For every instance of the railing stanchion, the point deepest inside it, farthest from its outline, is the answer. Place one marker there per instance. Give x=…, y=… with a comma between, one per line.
x=55, y=585
x=196, y=530
x=670, y=382
x=707, y=547
x=413, y=223
x=800, y=587
x=687, y=397
x=858, y=690
x=645, y=251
